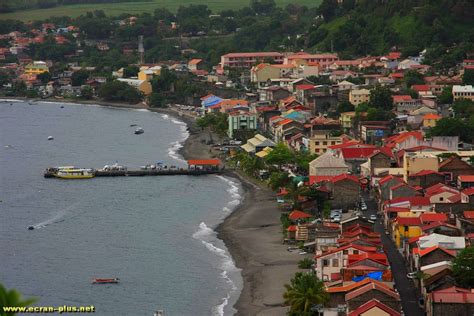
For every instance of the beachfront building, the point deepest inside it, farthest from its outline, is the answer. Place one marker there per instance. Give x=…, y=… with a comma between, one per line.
x=141, y=85
x=241, y=121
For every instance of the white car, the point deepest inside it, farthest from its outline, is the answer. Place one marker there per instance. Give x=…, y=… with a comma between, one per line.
x=363, y=207
x=412, y=275
x=373, y=217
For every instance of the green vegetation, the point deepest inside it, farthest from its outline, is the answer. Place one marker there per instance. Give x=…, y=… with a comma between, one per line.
x=136, y=7
x=305, y=263
x=461, y=125
x=216, y=121
x=119, y=91
x=12, y=298
x=462, y=267
x=304, y=291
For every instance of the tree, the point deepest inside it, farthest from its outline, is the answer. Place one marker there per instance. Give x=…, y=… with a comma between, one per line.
x=12, y=298
x=381, y=97
x=278, y=179
x=412, y=77
x=468, y=77
x=218, y=122
x=448, y=126
x=119, y=91
x=130, y=71
x=156, y=100
x=303, y=158
x=87, y=92
x=306, y=263
x=463, y=267
x=345, y=106
x=463, y=108
x=446, y=96
x=280, y=155
x=304, y=291
x=79, y=77
x=44, y=77
x=262, y=6
x=165, y=81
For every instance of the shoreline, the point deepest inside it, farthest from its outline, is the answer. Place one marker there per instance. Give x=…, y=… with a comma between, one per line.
x=251, y=232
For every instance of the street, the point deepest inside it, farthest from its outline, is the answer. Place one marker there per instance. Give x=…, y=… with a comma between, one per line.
x=405, y=286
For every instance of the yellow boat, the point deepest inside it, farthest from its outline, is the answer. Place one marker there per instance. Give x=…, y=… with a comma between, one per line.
x=75, y=174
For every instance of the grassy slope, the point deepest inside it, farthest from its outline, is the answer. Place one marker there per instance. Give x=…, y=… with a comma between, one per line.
x=138, y=7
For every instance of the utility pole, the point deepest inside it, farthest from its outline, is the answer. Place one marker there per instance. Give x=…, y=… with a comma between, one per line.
x=141, y=49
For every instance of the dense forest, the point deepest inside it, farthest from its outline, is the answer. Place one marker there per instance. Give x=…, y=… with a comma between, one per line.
x=7, y=6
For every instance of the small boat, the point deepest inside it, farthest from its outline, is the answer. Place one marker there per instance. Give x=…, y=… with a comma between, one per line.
x=31, y=227
x=133, y=125
x=62, y=107
x=106, y=281
x=75, y=174
x=139, y=131
x=50, y=137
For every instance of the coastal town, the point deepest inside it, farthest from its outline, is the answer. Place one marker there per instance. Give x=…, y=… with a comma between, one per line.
x=361, y=168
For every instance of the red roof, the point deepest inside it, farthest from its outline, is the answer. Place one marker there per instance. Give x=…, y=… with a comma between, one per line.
x=204, y=162
x=358, y=247
x=345, y=176
x=431, y=116
x=394, y=209
x=389, y=177
x=317, y=179
x=355, y=153
x=453, y=295
x=424, y=252
x=413, y=200
x=373, y=304
x=466, y=178
x=401, y=98
x=369, y=287
x=298, y=215
x=468, y=191
x=425, y=173
x=394, y=55
x=408, y=221
x=292, y=228
x=414, y=239
x=433, y=217
x=439, y=188
x=352, y=286
x=254, y=54
x=468, y=214
x=420, y=87
x=378, y=257
x=437, y=224
x=304, y=87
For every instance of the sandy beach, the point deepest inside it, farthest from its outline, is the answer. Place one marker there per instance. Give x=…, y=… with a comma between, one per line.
x=251, y=233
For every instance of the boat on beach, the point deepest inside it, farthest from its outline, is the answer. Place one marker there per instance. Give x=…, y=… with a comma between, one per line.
x=105, y=281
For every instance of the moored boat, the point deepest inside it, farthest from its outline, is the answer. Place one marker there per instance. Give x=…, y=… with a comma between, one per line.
x=75, y=174
x=139, y=131
x=105, y=281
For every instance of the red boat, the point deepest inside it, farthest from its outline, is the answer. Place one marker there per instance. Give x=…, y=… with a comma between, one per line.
x=105, y=281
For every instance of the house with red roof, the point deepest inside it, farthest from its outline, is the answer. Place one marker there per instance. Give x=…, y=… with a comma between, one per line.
x=441, y=193
x=374, y=307
x=425, y=178
x=337, y=293
x=296, y=216
x=423, y=90
x=384, y=186
x=380, y=158
x=435, y=254
x=450, y=301
x=362, y=295
x=345, y=191
x=405, y=103
x=404, y=228
x=465, y=181
x=441, y=228
x=328, y=264
x=402, y=190
x=454, y=166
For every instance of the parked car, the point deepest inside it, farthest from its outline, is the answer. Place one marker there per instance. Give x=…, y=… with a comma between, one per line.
x=412, y=275
x=373, y=217
x=363, y=207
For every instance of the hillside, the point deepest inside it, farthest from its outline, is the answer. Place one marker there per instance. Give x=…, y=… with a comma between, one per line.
x=135, y=7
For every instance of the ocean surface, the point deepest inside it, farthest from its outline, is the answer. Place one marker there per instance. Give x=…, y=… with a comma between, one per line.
x=154, y=233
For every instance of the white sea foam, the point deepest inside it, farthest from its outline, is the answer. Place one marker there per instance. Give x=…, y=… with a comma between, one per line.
x=206, y=235
x=56, y=218
x=165, y=116
x=11, y=100
x=234, y=193
x=219, y=309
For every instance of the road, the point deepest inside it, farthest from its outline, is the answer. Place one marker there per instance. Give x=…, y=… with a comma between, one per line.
x=405, y=286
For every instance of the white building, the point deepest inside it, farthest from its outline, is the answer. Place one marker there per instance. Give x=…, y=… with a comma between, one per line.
x=463, y=92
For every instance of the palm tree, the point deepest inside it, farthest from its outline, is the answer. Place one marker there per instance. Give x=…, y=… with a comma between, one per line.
x=304, y=291
x=12, y=298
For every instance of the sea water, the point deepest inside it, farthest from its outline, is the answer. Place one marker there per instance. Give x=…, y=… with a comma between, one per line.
x=154, y=233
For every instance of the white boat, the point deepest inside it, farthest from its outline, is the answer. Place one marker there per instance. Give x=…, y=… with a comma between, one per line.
x=139, y=131
x=114, y=167
x=50, y=137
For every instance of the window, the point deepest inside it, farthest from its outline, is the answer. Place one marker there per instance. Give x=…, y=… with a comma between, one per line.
x=335, y=263
x=325, y=143
x=441, y=198
x=316, y=143
x=356, y=252
x=333, y=143
x=325, y=263
x=345, y=252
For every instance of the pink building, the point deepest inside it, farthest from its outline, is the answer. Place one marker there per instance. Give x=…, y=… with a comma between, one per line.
x=247, y=60
x=324, y=60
